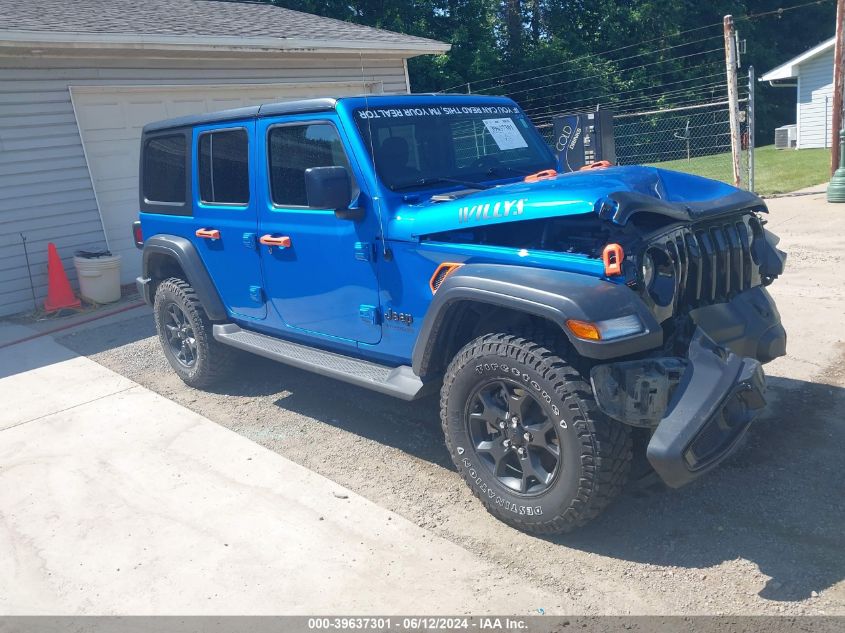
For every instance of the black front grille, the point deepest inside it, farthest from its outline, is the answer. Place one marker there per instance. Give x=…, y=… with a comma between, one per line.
x=713, y=262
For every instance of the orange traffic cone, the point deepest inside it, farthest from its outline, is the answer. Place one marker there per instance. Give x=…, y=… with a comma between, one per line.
x=59, y=293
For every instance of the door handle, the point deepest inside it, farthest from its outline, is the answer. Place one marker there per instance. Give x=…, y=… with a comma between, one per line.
x=208, y=234
x=270, y=241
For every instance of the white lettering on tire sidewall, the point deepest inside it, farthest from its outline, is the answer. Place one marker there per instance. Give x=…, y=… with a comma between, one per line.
x=518, y=374
x=487, y=492
x=472, y=471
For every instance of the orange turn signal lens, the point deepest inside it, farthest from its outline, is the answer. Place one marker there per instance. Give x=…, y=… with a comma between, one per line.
x=584, y=329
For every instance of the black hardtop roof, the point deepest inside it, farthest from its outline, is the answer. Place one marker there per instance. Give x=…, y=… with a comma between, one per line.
x=249, y=112
x=322, y=104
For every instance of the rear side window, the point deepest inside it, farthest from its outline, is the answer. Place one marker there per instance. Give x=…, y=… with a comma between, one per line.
x=295, y=148
x=223, y=167
x=164, y=169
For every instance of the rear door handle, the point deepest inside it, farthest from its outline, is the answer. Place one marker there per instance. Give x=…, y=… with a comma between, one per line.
x=208, y=234
x=282, y=241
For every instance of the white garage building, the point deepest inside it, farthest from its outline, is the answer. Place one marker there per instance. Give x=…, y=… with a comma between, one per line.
x=811, y=74
x=80, y=78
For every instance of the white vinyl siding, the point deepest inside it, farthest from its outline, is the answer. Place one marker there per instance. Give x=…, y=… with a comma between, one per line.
x=815, y=101
x=46, y=187
x=111, y=118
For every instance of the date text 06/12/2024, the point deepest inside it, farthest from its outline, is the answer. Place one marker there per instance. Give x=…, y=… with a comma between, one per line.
x=418, y=623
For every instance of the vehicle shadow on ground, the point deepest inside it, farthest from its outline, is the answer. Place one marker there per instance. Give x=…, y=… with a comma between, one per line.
x=412, y=427
x=779, y=502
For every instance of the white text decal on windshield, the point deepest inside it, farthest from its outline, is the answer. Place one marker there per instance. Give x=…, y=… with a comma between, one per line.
x=398, y=113
x=505, y=133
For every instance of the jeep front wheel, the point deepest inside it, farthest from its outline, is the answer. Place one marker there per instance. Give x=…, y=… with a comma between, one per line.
x=186, y=336
x=524, y=431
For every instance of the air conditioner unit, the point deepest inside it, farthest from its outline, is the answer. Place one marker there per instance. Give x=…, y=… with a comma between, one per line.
x=786, y=136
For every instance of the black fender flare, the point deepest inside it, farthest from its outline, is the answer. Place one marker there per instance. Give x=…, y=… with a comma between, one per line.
x=554, y=295
x=185, y=254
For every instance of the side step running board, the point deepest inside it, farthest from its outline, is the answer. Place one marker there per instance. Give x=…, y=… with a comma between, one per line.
x=394, y=381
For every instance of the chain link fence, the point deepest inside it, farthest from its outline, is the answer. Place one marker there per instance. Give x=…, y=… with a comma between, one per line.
x=671, y=135
x=693, y=138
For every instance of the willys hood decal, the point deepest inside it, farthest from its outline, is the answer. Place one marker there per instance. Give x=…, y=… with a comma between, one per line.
x=615, y=193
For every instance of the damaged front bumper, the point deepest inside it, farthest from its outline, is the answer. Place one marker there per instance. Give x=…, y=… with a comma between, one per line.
x=699, y=406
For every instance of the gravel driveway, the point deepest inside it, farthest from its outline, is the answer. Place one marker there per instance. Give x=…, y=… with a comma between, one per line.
x=763, y=534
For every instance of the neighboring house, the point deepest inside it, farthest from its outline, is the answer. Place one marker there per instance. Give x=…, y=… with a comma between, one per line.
x=79, y=79
x=812, y=74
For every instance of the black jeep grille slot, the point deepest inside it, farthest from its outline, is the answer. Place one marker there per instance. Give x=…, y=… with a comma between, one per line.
x=709, y=260
x=745, y=246
x=736, y=258
x=723, y=263
x=712, y=262
x=695, y=276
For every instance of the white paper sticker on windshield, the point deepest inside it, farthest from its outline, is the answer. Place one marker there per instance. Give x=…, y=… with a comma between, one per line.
x=505, y=133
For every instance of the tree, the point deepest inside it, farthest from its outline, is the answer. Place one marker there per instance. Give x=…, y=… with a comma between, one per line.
x=547, y=53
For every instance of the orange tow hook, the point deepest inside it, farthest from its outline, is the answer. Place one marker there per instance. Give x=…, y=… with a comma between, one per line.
x=612, y=257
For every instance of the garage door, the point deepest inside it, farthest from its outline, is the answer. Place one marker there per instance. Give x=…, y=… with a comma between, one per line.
x=110, y=120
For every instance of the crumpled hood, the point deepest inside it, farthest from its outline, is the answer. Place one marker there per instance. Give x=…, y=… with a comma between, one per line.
x=615, y=193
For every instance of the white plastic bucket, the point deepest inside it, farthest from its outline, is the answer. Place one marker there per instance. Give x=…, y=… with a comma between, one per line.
x=99, y=278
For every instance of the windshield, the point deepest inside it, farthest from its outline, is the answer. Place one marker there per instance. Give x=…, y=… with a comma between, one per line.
x=455, y=144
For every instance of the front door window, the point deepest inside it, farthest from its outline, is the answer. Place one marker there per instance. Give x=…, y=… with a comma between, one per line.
x=295, y=148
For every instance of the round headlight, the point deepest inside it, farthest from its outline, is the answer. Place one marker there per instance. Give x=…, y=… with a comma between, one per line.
x=647, y=270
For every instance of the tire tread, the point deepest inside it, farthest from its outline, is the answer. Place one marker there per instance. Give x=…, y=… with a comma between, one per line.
x=606, y=447
x=220, y=358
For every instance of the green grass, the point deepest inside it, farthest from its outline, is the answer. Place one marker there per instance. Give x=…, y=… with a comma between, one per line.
x=776, y=171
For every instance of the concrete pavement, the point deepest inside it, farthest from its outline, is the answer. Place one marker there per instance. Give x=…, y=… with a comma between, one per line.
x=115, y=500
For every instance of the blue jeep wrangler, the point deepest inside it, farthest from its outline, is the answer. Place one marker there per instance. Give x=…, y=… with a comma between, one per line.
x=410, y=243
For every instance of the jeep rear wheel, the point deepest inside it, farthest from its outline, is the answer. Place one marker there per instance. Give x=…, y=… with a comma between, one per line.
x=186, y=336
x=524, y=431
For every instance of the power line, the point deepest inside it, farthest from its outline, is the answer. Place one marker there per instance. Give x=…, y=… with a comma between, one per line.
x=687, y=69
x=780, y=11
x=539, y=110
x=621, y=59
x=710, y=90
x=683, y=93
x=689, y=95
x=717, y=92
x=684, y=104
x=675, y=108
x=524, y=102
x=582, y=57
x=569, y=81
x=678, y=94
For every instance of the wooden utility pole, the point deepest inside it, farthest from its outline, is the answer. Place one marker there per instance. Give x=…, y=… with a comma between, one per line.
x=733, y=96
x=838, y=80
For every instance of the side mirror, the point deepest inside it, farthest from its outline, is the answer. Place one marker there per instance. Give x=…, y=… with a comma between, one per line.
x=328, y=188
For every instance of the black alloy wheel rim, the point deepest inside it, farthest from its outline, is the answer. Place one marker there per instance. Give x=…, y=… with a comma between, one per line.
x=514, y=437
x=180, y=335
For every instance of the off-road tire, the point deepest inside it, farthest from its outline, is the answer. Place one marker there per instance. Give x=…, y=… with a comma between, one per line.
x=595, y=450
x=213, y=360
